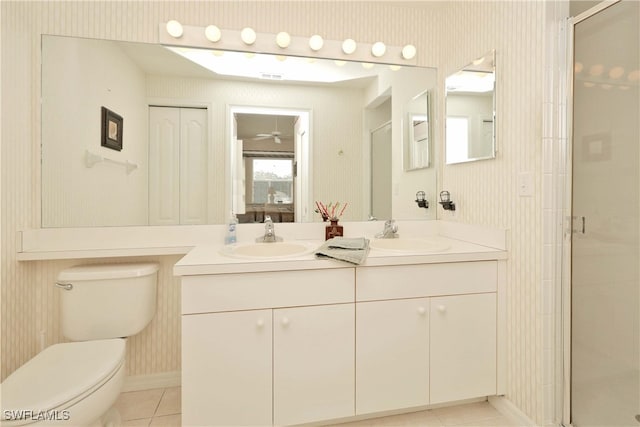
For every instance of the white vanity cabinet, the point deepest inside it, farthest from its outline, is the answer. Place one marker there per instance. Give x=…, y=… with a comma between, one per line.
x=277, y=346
x=425, y=334
x=392, y=354
x=313, y=363
x=268, y=348
x=226, y=368
x=463, y=347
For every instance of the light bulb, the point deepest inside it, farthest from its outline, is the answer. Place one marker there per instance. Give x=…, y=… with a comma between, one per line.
x=316, y=42
x=213, y=33
x=616, y=72
x=349, y=46
x=367, y=65
x=174, y=28
x=378, y=49
x=409, y=51
x=596, y=70
x=283, y=39
x=248, y=36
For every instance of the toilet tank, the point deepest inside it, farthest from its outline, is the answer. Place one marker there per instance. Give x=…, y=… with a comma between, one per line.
x=107, y=300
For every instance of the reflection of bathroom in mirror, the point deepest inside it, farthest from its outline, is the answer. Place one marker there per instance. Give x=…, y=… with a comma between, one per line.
x=470, y=112
x=418, y=130
x=178, y=129
x=268, y=167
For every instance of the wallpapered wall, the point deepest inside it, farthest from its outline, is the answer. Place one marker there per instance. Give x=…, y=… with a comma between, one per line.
x=81, y=76
x=448, y=35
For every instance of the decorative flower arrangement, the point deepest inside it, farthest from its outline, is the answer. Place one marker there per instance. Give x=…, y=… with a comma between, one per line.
x=331, y=212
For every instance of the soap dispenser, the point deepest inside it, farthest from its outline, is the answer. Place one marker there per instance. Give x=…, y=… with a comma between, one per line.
x=230, y=238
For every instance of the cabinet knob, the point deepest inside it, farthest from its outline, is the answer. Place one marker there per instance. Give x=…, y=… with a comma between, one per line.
x=442, y=308
x=260, y=323
x=285, y=321
x=421, y=311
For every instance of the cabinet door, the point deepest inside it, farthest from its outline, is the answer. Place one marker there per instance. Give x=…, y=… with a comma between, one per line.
x=226, y=368
x=313, y=370
x=193, y=166
x=164, y=166
x=392, y=354
x=463, y=347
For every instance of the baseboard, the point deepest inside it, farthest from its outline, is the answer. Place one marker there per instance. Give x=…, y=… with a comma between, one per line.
x=392, y=412
x=146, y=382
x=511, y=411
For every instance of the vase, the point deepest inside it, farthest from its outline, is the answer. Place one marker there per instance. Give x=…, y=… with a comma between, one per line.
x=333, y=230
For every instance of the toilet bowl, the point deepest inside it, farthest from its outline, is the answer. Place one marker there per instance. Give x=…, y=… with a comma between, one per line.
x=76, y=383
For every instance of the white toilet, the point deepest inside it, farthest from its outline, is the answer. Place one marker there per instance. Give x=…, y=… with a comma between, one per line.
x=76, y=383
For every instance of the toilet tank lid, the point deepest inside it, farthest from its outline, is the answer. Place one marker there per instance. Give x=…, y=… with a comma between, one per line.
x=108, y=271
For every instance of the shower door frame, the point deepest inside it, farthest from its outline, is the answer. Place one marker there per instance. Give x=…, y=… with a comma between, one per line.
x=564, y=399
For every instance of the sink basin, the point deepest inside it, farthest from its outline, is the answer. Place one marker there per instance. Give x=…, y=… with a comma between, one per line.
x=268, y=250
x=410, y=245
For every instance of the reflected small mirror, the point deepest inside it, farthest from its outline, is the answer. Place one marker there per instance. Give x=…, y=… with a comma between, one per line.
x=417, y=140
x=470, y=112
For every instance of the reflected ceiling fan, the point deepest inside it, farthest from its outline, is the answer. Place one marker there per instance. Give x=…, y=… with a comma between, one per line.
x=275, y=134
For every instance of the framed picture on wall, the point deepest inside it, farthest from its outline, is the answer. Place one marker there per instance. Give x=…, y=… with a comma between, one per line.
x=111, y=130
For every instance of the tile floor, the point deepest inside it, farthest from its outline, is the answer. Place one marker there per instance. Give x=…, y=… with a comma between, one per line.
x=152, y=408
x=161, y=407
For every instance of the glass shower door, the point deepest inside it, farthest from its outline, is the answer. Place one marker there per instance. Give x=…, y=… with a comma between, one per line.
x=605, y=300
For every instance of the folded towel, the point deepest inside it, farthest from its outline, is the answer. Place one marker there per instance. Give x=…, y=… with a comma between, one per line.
x=353, y=250
x=348, y=243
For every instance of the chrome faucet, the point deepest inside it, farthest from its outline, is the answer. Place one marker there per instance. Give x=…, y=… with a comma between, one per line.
x=390, y=230
x=269, y=232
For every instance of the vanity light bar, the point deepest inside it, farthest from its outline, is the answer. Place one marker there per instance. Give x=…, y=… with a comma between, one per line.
x=247, y=40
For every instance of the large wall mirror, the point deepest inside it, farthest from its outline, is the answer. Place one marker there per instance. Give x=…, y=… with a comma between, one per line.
x=224, y=131
x=470, y=112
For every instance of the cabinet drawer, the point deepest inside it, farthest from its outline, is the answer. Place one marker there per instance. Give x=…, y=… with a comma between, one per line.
x=413, y=281
x=247, y=291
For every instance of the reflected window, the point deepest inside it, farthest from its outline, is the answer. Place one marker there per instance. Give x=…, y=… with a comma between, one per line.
x=457, y=139
x=271, y=180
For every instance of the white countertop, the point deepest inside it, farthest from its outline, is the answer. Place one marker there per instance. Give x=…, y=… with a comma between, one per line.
x=469, y=242
x=209, y=259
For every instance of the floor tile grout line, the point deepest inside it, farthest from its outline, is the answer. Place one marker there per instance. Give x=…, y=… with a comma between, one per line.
x=164, y=390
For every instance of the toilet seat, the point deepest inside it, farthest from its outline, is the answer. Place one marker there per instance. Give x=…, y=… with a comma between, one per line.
x=61, y=375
